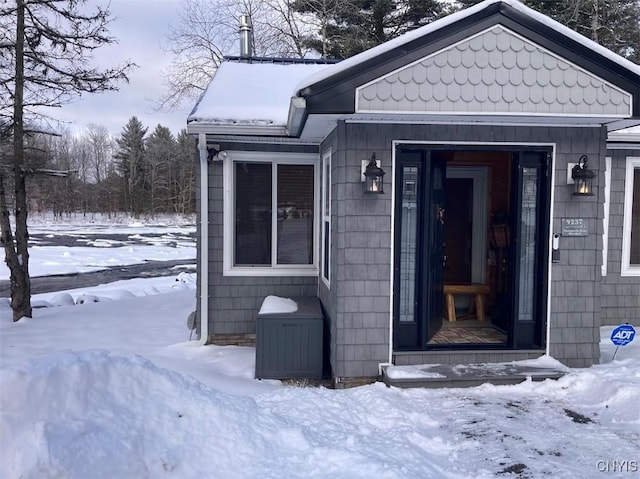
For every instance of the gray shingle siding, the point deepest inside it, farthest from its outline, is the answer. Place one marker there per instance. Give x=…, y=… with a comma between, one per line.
x=620, y=295
x=362, y=301
x=358, y=302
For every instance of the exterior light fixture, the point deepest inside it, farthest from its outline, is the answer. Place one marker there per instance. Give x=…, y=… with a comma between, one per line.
x=373, y=176
x=582, y=178
x=214, y=153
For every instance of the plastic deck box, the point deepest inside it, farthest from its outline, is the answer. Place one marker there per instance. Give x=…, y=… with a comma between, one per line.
x=290, y=345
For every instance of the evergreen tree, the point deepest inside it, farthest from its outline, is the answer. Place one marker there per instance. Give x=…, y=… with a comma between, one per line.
x=350, y=27
x=614, y=24
x=131, y=163
x=161, y=150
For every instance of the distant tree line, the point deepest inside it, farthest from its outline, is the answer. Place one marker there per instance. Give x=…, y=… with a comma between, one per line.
x=135, y=172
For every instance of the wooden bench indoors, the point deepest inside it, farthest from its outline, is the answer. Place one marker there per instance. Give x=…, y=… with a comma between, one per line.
x=477, y=302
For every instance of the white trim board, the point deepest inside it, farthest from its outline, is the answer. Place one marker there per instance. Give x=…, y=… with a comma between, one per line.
x=626, y=268
x=605, y=218
x=325, y=199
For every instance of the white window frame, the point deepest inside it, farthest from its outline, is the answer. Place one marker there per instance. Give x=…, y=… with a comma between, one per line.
x=607, y=211
x=627, y=269
x=326, y=217
x=228, y=220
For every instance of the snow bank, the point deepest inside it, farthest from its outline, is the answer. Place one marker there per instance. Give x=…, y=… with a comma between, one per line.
x=92, y=414
x=95, y=415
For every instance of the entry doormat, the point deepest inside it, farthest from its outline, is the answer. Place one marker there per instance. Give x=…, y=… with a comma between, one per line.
x=469, y=336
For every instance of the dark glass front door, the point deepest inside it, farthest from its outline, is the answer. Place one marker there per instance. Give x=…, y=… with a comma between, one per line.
x=419, y=259
x=419, y=254
x=530, y=251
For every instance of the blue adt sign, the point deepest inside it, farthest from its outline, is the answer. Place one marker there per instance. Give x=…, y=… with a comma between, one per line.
x=623, y=335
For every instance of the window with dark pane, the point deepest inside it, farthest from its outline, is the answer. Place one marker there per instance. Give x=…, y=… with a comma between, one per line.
x=295, y=214
x=253, y=213
x=326, y=246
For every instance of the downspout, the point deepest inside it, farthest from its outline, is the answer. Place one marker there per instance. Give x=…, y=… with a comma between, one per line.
x=382, y=366
x=204, y=238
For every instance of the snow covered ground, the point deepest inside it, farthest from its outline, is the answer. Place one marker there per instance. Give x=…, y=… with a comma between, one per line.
x=161, y=240
x=115, y=388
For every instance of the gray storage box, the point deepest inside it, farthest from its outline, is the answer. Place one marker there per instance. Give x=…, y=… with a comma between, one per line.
x=290, y=345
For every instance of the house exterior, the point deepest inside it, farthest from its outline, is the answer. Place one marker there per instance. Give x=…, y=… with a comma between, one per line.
x=477, y=250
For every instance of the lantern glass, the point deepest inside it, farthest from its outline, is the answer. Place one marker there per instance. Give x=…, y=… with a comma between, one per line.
x=373, y=175
x=374, y=184
x=582, y=178
x=583, y=187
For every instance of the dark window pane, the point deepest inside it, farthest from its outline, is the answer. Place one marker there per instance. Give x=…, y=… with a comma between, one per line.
x=635, y=220
x=528, y=246
x=253, y=214
x=408, y=244
x=327, y=243
x=295, y=214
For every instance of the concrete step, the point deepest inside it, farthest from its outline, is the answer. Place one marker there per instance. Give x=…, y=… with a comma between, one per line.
x=469, y=375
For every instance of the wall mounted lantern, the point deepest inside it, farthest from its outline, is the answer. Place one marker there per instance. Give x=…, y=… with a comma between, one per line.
x=582, y=178
x=372, y=176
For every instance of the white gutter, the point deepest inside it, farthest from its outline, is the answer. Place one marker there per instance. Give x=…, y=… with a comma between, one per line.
x=204, y=239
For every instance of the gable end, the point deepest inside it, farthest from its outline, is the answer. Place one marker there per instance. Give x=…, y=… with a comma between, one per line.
x=494, y=72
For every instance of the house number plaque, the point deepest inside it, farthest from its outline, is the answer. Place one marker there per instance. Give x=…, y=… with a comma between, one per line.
x=574, y=227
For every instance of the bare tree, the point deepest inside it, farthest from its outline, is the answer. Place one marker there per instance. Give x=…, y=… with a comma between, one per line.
x=45, y=53
x=183, y=191
x=207, y=30
x=101, y=149
x=198, y=43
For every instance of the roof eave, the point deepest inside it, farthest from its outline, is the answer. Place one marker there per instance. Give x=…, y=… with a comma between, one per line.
x=615, y=125
x=249, y=130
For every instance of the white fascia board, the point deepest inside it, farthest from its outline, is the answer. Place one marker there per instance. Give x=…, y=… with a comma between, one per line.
x=468, y=119
x=297, y=109
x=617, y=125
x=195, y=128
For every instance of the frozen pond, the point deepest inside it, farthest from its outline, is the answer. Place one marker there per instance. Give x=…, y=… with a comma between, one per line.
x=75, y=253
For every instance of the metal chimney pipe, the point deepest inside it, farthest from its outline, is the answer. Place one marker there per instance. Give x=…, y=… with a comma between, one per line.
x=246, y=39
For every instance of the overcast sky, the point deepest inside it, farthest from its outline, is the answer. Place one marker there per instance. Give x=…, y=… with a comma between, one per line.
x=141, y=27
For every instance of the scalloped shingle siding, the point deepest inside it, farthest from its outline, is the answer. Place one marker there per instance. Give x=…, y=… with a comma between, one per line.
x=496, y=71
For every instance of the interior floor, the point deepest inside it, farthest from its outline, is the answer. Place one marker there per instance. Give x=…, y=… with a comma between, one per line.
x=469, y=331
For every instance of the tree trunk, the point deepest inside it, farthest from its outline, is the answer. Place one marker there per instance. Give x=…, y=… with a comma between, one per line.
x=595, y=22
x=17, y=257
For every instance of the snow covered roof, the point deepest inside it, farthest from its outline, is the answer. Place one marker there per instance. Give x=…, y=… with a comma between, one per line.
x=453, y=18
x=251, y=94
